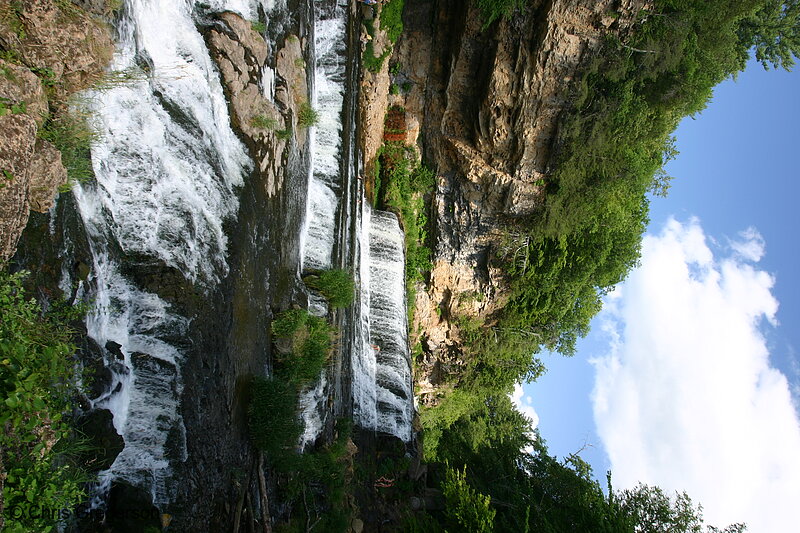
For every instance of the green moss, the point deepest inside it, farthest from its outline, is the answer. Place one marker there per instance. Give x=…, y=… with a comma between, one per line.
x=263, y=122
x=392, y=19
x=307, y=116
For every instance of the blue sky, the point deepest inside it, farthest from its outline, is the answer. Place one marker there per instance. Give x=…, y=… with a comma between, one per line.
x=716, y=304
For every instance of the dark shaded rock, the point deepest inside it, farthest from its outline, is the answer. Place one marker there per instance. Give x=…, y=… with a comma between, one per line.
x=98, y=425
x=130, y=509
x=115, y=349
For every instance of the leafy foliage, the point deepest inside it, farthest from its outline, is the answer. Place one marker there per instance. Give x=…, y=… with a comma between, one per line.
x=526, y=489
x=392, y=19
x=466, y=509
x=37, y=379
x=335, y=284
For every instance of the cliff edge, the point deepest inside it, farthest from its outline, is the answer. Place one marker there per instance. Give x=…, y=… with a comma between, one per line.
x=489, y=101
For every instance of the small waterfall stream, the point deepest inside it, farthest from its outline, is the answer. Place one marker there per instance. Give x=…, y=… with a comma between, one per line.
x=380, y=378
x=381, y=365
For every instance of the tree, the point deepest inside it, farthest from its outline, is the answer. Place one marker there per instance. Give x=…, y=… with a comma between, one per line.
x=774, y=31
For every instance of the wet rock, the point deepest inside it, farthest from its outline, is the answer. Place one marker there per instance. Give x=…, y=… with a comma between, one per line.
x=131, y=510
x=241, y=55
x=17, y=142
x=18, y=85
x=115, y=349
x=47, y=176
x=98, y=425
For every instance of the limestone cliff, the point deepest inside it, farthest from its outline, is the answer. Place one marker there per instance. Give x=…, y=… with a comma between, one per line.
x=50, y=52
x=489, y=101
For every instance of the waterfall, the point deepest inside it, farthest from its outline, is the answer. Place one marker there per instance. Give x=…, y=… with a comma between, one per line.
x=381, y=365
x=168, y=166
x=330, y=49
x=380, y=380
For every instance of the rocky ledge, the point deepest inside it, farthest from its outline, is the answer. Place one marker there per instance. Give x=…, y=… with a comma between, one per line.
x=489, y=102
x=50, y=52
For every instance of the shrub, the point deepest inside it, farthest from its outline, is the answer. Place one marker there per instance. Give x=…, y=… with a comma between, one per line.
x=307, y=116
x=272, y=418
x=286, y=323
x=312, y=351
x=336, y=285
x=37, y=379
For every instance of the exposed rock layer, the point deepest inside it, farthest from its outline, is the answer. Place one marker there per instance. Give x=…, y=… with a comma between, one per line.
x=489, y=101
x=68, y=50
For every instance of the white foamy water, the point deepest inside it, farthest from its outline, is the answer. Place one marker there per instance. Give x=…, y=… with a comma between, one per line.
x=168, y=167
x=381, y=369
x=167, y=162
x=324, y=185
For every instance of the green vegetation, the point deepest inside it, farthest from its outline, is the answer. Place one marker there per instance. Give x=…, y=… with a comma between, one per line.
x=263, y=122
x=284, y=134
x=502, y=478
x=37, y=381
x=561, y=261
x=336, y=286
x=400, y=187
x=311, y=483
x=311, y=342
x=370, y=61
x=10, y=107
x=272, y=418
x=72, y=133
x=466, y=509
x=258, y=26
x=307, y=116
x=495, y=9
x=392, y=19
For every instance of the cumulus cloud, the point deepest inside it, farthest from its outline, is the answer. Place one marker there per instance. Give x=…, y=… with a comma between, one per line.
x=686, y=398
x=524, y=404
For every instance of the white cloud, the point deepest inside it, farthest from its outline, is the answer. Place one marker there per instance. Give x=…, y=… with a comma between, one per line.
x=686, y=399
x=525, y=407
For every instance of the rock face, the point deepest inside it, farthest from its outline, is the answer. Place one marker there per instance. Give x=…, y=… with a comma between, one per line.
x=489, y=102
x=241, y=54
x=70, y=48
x=66, y=49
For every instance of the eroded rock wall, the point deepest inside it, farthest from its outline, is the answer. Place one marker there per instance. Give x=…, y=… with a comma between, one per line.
x=43, y=44
x=489, y=101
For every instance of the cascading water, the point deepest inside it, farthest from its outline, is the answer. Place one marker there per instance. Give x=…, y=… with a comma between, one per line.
x=167, y=166
x=380, y=379
x=330, y=47
x=381, y=368
x=325, y=177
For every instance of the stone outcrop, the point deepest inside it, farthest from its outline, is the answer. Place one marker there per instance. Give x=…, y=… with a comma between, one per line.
x=64, y=49
x=65, y=44
x=265, y=124
x=489, y=101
